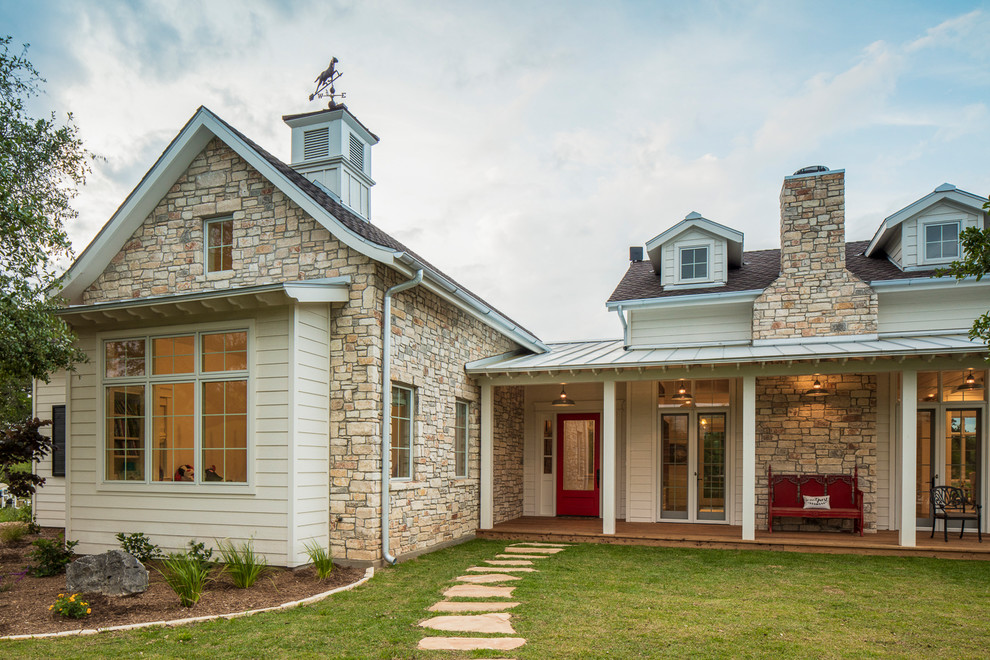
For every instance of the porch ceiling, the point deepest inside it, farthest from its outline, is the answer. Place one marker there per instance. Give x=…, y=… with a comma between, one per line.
x=595, y=357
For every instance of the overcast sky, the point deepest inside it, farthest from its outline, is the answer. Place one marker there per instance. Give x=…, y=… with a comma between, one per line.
x=525, y=146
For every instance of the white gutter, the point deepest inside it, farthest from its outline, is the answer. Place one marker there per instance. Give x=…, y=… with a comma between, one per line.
x=387, y=406
x=687, y=299
x=917, y=283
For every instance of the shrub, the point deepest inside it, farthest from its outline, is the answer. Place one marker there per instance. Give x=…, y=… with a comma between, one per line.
x=186, y=575
x=244, y=566
x=51, y=557
x=13, y=532
x=72, y=606
x=140, y=546
x=322, y=561
x=201, y=553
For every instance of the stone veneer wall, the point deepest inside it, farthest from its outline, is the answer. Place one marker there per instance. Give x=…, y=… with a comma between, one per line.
x=432, y=341
x=815, y=295
x=509, y=440
x=797, y=434
x=275, y=241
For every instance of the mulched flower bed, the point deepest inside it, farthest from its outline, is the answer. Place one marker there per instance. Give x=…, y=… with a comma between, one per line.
x=24, y=600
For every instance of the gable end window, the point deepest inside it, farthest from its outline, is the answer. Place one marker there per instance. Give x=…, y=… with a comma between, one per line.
x=402, y=432
x=219, y=245
x=942, y=241
x=694, y=263
x=461, y=438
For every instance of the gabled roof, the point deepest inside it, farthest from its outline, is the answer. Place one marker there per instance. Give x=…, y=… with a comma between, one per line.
x=343, y=224
x=758, y=270
x=944, y=194
x=695, y=220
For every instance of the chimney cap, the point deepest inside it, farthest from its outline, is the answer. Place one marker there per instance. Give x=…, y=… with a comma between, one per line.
x=811, y=169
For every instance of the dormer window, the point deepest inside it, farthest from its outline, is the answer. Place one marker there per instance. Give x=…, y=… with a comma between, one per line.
x=941, y=241
x=219, y=245
x=694, y=263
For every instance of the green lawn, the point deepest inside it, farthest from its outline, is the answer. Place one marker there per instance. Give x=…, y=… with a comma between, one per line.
x=593, y=601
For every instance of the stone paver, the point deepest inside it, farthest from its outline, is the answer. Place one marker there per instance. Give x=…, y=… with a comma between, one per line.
x=485, y=579
x=517, y=556
x=541, y=551
x=509, y=562
x=501, y=569
x=542, y=545
x=493, y=622
x=471, y=643
x=464, y=606
x=477, y=591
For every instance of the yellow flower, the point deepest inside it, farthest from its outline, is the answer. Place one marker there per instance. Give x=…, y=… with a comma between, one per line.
x=88, y=610
x=72, y=598
x=60, y=595
x=51, y=607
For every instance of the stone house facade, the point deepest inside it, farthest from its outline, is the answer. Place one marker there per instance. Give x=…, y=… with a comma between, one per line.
x=824, y=356
x=300, y=279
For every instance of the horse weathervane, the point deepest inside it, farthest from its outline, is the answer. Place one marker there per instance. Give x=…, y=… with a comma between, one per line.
x=325, y=81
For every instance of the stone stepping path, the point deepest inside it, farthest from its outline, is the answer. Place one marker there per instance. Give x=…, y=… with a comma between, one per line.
x=469, y=606
x=480, y=583
x=485, y=579
x=471, y=643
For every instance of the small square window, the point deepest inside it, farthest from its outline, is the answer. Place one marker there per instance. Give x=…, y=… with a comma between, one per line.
x=694, y=263
x=219, y=245
x=942, y=241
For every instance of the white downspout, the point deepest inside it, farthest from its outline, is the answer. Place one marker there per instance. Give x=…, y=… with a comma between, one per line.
x=625, y=326
x=387, y=405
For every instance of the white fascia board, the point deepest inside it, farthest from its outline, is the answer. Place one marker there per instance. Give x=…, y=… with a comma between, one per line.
x=703, y=224
x=686, y=300
x=926, y=283
x=329, y=290
x=965, y=199
x=457, y=296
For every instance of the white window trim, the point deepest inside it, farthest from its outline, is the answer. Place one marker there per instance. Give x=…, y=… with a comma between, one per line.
x=412, y=431
x=206, y=243
x=708, y=247
x=458, y=474
x=923, y=243
x=147, y=485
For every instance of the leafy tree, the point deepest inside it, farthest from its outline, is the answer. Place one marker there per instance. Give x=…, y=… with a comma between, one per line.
x=20, y=444
x=975, y=263
x=42, y=163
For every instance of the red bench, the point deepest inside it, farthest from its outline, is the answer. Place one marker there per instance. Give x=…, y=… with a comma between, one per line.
x=787, y=493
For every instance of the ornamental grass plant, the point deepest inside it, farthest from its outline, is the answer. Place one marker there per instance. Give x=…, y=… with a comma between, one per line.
x=242, y=563
x=186, y=575
x=321, y=559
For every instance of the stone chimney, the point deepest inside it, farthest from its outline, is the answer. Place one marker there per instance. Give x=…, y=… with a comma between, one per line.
x=814, y=296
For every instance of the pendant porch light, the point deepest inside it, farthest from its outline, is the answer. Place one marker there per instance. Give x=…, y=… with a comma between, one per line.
x=682, y=393
x=969, y=384
x=816, y=389
x=562, y=400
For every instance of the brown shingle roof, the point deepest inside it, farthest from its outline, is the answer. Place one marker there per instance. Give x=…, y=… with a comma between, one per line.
x=759, y=269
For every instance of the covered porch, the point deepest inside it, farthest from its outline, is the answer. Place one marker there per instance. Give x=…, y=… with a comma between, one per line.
x=729, y=537
x=650, y=490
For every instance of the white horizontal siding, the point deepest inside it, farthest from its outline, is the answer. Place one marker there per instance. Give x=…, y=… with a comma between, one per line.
x=641, y=453
x=670, y=272
x=49, y=500
x=310, y=474
x=690, y=324
x=912, y=237
x=947, y=308
x=170, y=517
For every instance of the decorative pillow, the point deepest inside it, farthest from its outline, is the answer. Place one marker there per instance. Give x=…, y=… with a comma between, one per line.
x=816, y=502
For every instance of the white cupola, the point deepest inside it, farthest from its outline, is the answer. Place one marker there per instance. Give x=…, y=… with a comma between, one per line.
x=333, y=149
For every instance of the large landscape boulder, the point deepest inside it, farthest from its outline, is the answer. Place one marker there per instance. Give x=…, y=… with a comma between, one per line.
x=114, y=573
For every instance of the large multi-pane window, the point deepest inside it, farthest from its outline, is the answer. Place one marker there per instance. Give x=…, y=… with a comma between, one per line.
x=402, y=432
x=176, y=408
x=461, y=439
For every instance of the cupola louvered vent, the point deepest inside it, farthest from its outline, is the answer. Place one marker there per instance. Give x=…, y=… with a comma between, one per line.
x=316, y=143
x=357, y=152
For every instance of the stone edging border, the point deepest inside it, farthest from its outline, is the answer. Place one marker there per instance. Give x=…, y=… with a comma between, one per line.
x=196, y=619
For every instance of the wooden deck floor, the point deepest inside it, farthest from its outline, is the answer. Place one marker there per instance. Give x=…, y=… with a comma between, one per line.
x=589, y=530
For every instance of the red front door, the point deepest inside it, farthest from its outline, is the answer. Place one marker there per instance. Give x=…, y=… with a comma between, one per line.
x=578, y=465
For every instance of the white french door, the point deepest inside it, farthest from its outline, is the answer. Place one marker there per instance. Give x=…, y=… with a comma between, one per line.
x=693, y=466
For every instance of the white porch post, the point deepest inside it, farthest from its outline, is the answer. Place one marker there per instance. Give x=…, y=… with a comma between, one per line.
x=608, y=458
x=909, y=456
x=487, y=514
x=749, y=458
